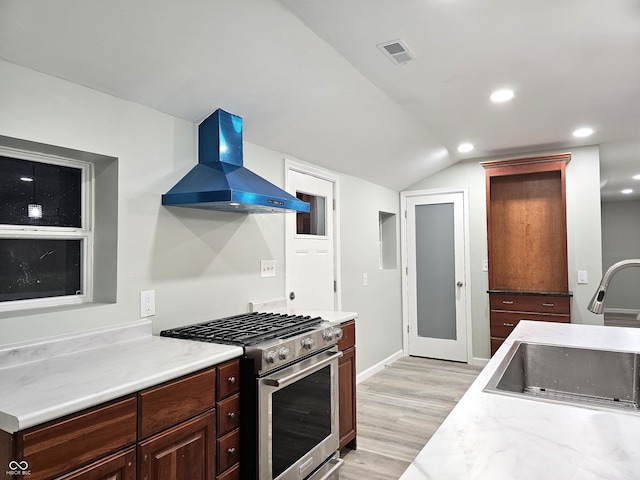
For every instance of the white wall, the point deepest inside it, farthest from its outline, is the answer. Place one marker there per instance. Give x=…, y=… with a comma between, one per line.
x=621, y=240
x=583, y=205
x=379, y=304
x=202, y=264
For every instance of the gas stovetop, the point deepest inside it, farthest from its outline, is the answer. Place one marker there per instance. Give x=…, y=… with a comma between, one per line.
x=271, y=340
x=245, y=329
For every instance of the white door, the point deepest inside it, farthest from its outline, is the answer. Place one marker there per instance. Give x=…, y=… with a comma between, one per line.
x=311, y=271
x=436, y=276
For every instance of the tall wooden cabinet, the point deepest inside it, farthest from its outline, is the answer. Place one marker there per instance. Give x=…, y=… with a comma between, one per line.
x=527, y=242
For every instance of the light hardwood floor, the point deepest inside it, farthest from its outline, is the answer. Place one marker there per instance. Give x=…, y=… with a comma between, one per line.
x=399, y=409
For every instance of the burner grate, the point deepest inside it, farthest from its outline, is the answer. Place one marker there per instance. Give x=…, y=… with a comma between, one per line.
x=244, y=329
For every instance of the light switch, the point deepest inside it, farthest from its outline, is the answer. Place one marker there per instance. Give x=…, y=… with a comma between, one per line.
x=583, y=277
x=267, y=268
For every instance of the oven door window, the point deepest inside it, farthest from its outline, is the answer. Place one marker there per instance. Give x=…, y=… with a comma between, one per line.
x=301, y=418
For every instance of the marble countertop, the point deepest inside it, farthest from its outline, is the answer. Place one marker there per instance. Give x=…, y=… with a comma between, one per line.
x=45, y=380
x=498, y=437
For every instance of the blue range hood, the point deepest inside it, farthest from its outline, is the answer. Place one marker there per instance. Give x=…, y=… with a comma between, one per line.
x=220, y=182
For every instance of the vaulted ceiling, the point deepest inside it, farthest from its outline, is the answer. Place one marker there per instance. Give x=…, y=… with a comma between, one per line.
x=309, y=79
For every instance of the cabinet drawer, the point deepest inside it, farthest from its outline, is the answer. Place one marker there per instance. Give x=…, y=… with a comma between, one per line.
x=348, y=335
x=228, y=412
x=502, y=323
x=232, y=474
x=69, y=443
x=228, y=449
x=175, y=401
x=530, y=303
x=495, y=344
x=228, y=379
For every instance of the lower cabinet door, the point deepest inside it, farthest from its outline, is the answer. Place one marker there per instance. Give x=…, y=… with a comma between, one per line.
x=119, y=466
x=347, y=397
x=186, y=451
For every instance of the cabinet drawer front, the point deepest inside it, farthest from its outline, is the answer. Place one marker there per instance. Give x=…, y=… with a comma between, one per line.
x=531, y=303
x=228, y=379
x=175, y=401
x=228, y=412
x=348, y=335
x=232, y=474
x=69, y=443
x=228, y=450
x=503, y=323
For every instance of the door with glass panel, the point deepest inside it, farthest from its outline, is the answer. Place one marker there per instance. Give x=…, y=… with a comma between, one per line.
x=311, y=272
x=436, y=285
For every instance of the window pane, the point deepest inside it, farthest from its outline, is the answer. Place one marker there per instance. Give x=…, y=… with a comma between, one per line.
x=39, y=268
x=312, y=223
x=35, y=193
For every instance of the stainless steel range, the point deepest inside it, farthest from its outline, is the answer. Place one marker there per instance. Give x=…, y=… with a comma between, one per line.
x=289, y=392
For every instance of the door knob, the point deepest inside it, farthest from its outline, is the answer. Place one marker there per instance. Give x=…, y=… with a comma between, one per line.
x=459, y=284
x=292, y=296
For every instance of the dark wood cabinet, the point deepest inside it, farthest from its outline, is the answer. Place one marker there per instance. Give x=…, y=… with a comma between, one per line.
x=228, y=420
x=120, y=466
x=63, y=445
x=347, y=386
x=184, y=451
x=184, y=428
x=527, y=242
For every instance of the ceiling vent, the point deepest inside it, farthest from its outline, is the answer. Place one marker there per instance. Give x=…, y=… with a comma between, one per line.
x=397, y=51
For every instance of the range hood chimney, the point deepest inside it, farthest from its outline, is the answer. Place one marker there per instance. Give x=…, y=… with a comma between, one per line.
x=220, y=181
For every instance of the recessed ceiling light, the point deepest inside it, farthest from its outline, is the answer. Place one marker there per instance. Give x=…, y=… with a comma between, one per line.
x=502, y=95
x=26, y=179
x=583, y=132
x=636, y=177
x=626, y=191
x=465, y=147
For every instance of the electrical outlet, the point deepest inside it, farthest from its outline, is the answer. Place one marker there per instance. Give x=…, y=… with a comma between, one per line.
x=365, y=280
x=147, y=303
x=267, y=268
x=485, y=265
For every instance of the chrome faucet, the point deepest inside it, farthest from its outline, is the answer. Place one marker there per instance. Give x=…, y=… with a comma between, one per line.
x=597, y=302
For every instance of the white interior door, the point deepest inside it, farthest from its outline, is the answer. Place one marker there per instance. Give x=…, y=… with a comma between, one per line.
x=436, y=276
x=310, y=250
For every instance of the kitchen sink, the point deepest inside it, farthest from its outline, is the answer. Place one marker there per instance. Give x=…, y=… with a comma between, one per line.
x=578, y=376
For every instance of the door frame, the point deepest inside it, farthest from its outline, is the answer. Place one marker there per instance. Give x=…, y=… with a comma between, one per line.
x=291, y=165
x=404, y=256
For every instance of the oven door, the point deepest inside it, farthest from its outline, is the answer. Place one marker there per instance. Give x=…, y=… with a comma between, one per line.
x=298, y=417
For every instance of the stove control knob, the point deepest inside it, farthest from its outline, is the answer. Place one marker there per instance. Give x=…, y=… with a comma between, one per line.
x=327, y=334
x=270, y=356
x=308, y=343
x=337, y=333
x=283, y=353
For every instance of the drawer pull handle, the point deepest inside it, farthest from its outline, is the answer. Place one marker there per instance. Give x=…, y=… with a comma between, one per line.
x=231, y=415
x=232, y=379
x=507, y=302
x=508, y=324
x=231, y=451
x=547, y=304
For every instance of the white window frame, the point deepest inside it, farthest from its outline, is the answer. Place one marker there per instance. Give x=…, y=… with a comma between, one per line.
x=85, y=233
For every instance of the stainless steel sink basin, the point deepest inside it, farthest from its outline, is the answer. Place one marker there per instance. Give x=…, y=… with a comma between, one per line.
x=579, y=376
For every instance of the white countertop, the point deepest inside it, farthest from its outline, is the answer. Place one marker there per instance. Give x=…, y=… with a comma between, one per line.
x=497, y=437
x=42, y=381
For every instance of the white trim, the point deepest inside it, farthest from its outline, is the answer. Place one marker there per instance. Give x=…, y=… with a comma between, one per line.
x=404, y=259
x=479, y=362
x=369, y=372
x=291, y=165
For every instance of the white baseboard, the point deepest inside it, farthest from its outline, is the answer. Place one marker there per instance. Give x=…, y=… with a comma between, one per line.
x=379, y=366
x=479, y=362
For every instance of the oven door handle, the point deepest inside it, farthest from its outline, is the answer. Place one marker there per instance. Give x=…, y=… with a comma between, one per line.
x=284, y=381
